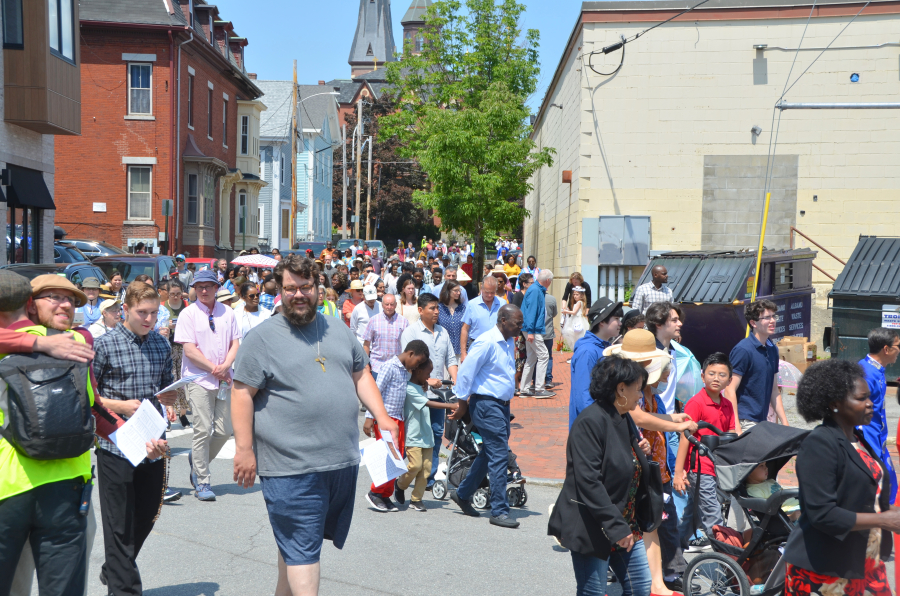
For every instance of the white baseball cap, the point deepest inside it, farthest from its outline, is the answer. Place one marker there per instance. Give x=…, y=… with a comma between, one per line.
x=370, y=293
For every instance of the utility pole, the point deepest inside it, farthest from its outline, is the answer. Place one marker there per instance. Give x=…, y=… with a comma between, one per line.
x=344, y=180
x=359, y=128
x=369, y=196
x=293, y=232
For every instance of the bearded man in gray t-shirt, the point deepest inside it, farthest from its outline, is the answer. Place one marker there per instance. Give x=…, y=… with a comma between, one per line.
x=298, y=381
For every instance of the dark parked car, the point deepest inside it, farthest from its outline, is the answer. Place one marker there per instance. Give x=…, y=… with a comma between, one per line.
x=94, y=248
x=74, y=272
x=343, y=245
x=66, y=253
x=157, y=267
x=317, y=248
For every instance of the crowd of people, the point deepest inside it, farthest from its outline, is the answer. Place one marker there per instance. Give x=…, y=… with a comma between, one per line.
x=383, y=334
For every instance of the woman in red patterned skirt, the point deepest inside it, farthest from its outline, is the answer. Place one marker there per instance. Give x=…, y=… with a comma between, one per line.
x=837, y=547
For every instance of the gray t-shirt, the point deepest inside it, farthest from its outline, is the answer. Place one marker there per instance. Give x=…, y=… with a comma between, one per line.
x=304, y=420
x=550, y=312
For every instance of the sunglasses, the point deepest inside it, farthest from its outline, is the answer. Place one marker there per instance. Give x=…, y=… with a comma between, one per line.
x=212, y=323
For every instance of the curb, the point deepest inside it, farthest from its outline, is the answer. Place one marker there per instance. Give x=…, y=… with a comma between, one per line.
x=544, y=482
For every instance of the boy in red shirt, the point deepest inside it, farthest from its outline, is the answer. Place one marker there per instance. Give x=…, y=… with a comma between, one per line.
x=706, y=406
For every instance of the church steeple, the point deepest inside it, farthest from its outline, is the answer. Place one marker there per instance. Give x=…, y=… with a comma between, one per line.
x=373, y=44
x=412, y=21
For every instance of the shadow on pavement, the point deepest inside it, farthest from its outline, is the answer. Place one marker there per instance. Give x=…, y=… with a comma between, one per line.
x=195, y=589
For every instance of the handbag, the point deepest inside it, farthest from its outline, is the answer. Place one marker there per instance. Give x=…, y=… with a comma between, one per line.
x=648, y=509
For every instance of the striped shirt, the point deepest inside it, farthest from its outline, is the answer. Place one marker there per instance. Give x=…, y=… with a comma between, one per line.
x=392, y=380
x=383, y=335
x=647, y=294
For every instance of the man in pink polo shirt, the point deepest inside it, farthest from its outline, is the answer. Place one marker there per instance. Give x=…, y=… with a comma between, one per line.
x=209, y=332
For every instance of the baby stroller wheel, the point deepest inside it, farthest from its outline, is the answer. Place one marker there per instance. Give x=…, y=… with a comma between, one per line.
x=715, y=574
x=523, y=497
x=439, y=490
x=512, y=496
x=481, y=499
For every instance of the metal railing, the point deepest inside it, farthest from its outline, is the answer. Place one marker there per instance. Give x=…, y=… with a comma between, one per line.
x=820, y=247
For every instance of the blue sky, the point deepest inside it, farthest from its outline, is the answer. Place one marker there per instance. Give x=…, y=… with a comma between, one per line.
x=318, y=35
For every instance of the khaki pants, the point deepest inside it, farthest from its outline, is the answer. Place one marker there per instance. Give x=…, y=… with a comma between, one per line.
x=24, y=576
x=536, y=353
x=419, y=468
x=212, y=427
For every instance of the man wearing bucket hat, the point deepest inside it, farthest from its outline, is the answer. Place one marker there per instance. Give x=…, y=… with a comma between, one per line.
x=604, y=319
x=91, y=309
x=210, y=334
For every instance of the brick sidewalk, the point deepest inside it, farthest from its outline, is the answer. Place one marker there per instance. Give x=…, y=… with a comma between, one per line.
x=541, y=427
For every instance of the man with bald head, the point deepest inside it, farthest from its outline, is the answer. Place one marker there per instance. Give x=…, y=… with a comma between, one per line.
x=655, y=290
x=485, y=383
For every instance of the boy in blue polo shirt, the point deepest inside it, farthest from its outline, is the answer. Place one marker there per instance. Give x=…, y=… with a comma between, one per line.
x=884, y=346
x=754, y=361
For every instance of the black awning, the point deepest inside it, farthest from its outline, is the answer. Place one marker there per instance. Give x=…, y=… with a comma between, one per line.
x=28, y=189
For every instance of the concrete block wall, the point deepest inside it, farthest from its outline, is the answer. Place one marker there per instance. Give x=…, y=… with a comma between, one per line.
x=688, y=91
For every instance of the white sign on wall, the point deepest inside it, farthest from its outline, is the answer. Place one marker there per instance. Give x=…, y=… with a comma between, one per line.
x=99, y=207
x=890, y=316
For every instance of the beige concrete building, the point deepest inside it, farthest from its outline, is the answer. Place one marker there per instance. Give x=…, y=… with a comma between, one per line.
x=680, y=134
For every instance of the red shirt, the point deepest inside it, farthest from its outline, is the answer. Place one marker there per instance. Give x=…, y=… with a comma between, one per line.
x=701, y=407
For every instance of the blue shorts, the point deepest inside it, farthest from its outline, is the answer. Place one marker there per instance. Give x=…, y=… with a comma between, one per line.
x=306, y=508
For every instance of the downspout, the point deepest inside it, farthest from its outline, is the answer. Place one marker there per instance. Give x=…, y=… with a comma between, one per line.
x=178, y=146
x=172, y=140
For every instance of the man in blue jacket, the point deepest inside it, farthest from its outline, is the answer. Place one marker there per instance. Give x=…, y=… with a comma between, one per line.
x=533, y=306
x=604, y=319
x=884, y=347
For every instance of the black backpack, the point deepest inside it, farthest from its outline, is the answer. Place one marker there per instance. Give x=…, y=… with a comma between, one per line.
x=46, y=408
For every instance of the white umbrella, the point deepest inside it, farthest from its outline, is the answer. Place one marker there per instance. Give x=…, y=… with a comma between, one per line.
x=255, y=261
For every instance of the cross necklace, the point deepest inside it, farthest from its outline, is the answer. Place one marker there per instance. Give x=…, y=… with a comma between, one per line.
x=319, y=358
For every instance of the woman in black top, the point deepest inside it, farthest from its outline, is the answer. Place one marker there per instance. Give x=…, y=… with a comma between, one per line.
x=575, y=280
x=843, y=534
x=606, y=475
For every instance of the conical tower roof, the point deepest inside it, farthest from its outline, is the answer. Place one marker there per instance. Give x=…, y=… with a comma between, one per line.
x=374, y=39
x=416, y=12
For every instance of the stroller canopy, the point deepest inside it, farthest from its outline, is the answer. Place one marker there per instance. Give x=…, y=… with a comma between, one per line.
x=765, y=442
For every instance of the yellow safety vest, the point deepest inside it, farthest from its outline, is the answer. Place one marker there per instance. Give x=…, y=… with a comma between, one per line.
x=19, y=473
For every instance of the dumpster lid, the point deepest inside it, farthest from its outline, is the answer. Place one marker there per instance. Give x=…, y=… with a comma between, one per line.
x=872, y=270
x=714, y=276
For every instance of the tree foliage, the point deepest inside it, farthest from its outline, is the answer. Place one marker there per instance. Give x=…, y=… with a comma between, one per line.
x=394, y=179
x=463, y=116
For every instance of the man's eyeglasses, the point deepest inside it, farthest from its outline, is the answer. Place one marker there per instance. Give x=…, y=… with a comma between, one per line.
x=57, y=298
x=769, y=318
x=307, y=289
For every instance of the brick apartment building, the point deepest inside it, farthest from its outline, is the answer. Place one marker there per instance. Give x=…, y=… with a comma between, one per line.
x=168, y=112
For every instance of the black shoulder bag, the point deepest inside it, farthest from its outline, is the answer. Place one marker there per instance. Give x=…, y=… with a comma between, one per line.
x=648, y=509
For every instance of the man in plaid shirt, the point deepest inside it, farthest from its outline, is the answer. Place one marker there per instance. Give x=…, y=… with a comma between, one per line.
x=392, y=383
x=653, y=291
x=382, y=335
x=131, y=364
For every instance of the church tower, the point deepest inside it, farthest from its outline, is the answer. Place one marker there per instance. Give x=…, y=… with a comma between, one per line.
x=373, y=44
x=412, y=21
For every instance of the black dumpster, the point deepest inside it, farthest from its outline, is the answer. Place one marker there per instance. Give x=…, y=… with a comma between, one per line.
x=712, y=287
x=866, y=295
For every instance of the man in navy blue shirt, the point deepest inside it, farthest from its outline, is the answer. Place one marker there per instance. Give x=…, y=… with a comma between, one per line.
x=534, y=328
x=884, y=347
x=754, y=383
x=604, y=320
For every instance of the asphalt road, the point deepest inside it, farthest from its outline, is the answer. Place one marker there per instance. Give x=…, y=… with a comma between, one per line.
x=227, y=548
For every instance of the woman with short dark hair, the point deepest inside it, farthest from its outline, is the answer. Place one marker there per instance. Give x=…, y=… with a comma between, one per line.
x=838, y=546
x=607, y=474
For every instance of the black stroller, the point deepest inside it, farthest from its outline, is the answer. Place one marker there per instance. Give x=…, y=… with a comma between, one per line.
x=758, y=567
x=464, y=448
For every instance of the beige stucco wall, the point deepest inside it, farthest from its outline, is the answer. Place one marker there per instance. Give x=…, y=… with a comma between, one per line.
x=636, y=141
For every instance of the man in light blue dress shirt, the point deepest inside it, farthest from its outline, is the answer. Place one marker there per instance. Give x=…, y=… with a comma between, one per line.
x=485, y=383
x=481, y=314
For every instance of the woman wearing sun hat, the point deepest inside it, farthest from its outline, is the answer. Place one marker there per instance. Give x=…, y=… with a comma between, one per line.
x=664, y=554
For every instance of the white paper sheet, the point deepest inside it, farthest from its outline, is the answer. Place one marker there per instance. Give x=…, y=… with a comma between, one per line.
x=132, y=437
x=381, y=464
x=181, y=383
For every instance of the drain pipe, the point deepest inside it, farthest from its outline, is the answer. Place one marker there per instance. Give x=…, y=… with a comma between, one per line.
x=178, y=145
x=172, y=137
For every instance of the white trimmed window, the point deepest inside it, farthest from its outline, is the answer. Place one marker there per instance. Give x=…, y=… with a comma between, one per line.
x=140, y=98
x=209, y=112
x=139, y=192
x=190, y=102
x=242, y=213
x=245, y=135
x=225, y=123
x=192, y=199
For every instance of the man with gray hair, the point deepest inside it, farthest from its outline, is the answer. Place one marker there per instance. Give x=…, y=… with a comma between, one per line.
x=534, y=328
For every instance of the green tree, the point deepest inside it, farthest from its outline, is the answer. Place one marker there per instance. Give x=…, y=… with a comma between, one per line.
x=463, y=116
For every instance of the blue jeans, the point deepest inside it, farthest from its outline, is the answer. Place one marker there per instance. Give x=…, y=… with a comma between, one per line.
x=491, y=418
x=631, y=569
x=549, y=377
x=437, y=427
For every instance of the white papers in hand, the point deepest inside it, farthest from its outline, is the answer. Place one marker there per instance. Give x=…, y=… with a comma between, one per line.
x=181, y=383
x=132, y=437
x=381, y=464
